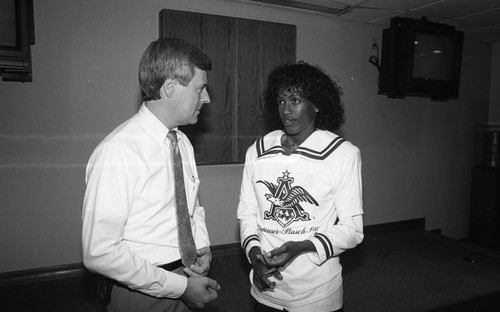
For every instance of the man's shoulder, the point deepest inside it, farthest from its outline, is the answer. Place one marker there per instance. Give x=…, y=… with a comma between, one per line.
x=125, y=133
x=126, y=136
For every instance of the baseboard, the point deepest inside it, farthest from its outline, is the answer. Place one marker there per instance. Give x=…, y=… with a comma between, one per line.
x=436, y=231
x=43, y=274
x=411, y=224
x=51, y=273
x=226, y=250
x=77, y=269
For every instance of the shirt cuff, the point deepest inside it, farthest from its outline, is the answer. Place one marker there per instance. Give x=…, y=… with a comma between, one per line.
x=319, y=256
x=250, y=245
x=175, y=285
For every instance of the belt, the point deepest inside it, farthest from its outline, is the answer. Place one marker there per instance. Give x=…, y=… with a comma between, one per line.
x=172, y=265
x=104, y=285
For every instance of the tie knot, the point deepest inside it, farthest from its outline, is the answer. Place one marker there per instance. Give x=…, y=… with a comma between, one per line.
x=172, y=136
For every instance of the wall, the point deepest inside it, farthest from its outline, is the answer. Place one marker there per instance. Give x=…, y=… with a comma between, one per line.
x=494, y=108
x=417, y=153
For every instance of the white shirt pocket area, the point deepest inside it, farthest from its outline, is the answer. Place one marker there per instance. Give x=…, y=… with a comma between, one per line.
x=192, y=187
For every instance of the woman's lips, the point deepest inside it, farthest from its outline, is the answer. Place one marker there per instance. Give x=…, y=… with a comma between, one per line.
x=288, y=121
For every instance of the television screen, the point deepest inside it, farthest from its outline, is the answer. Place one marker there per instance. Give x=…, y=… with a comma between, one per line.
x=433, y=56
x=420, y=58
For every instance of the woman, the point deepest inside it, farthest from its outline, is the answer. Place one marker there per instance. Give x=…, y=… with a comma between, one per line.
x=300, y=202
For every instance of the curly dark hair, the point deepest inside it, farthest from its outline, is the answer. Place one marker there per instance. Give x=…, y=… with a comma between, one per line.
x=310, y=82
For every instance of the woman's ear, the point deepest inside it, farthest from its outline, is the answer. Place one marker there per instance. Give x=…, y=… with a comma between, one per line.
x=168, y=87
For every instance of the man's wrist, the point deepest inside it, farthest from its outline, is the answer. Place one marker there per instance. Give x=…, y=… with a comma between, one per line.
x=174, y=286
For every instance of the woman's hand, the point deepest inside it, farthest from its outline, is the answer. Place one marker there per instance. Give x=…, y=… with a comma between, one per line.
x=285, y=254
x=262, y=272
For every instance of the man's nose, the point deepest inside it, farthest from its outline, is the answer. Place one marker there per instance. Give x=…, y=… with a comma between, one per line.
x=205, y=97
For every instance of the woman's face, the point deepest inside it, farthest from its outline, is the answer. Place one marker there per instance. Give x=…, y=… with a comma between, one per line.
x=297, y=114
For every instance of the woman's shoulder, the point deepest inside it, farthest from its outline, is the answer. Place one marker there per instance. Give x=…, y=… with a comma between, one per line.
x=266, y=144
x=273, y=135
x=270, y=139
x=328, y=138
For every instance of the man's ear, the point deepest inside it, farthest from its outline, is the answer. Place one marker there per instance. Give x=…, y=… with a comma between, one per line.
x=168, y=87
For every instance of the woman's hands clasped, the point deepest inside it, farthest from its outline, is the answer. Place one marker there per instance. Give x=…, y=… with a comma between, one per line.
x=262, y=271
x=268, y=264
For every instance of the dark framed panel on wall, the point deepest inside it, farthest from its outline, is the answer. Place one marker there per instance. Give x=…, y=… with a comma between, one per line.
x=17, y=34
x=243, y=52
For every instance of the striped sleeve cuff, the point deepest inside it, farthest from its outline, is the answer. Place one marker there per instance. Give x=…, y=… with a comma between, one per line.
x=249, y=242
x=324, y=247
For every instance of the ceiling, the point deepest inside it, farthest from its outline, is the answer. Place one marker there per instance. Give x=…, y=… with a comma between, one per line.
x=478, y=19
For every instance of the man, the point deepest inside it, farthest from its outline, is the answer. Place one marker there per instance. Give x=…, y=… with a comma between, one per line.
x=129, y=213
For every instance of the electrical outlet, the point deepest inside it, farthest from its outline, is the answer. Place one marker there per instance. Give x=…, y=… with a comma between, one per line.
x=374, y=43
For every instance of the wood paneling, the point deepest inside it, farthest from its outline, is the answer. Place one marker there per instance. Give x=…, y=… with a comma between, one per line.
x=243, y=52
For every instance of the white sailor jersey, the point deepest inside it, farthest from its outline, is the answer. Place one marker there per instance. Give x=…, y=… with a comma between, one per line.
x=312, y=194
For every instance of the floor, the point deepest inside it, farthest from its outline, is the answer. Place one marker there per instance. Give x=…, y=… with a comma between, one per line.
x=76, y=294
x=391, y=271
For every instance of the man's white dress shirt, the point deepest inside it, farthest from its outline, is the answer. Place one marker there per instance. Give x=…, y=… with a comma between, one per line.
x=129, y=218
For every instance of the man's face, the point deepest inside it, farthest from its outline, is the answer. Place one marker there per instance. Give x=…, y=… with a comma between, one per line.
x=189, y=99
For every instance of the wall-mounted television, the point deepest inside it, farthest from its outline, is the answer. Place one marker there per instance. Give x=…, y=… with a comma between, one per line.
x=420, y=58
x=16, y=38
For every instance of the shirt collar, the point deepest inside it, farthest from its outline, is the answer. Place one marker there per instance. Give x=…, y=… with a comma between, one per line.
x=317, y=146
x=316, y=141
x=151, y=123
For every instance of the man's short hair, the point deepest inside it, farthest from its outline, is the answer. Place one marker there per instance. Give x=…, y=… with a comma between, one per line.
x=169, y=58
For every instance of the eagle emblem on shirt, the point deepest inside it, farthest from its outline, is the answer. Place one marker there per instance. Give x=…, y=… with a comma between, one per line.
x=285, y=201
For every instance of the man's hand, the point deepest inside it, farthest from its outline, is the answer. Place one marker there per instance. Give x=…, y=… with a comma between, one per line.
x=200, y=290
x=262, y=272
x=202, y=263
